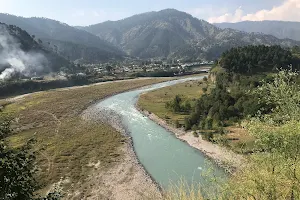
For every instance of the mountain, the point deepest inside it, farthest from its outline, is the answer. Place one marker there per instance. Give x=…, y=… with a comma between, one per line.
x=20, y=54
x=173, y=34
x=280, y=29
x=65, y=38
x=80, y=53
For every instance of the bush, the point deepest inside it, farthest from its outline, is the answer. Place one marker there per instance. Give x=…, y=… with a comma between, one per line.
x=209, y=136
x=216, y=124
x=187, y=124
x=208, y=124
x=194, y=128
x=17, y=169
x=176, y=123
x=195, y=134
x=201, y=124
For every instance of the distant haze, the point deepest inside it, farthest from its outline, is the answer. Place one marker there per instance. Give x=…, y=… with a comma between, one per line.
x=76, y=12
x=277, y=28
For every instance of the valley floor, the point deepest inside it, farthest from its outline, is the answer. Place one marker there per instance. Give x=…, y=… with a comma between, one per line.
x=89, y=158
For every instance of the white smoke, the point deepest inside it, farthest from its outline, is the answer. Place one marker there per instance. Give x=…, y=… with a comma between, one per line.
x=13, y=60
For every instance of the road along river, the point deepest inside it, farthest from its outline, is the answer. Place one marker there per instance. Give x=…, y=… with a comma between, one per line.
x=166, y=158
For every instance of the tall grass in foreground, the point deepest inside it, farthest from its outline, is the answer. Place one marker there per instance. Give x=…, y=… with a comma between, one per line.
x=183, y=191
x=211, y=185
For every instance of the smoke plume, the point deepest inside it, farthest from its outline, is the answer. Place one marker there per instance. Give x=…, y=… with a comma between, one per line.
x=15, y=61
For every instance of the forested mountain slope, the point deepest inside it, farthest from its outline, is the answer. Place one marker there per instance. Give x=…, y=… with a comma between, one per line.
x=20, y=54
x=173, y=34
x=280, y=29
x=65, y=38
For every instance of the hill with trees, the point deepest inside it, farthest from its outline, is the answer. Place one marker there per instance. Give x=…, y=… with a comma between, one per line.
x=279, y=29
x=253, y=59
x=64, y=38
x=173, y=34
x=240, y=71
x=21, y=53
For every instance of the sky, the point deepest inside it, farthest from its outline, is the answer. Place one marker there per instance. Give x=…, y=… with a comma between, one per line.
x=87, y=12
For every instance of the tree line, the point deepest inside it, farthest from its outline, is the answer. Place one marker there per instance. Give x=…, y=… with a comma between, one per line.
x=254, y=59
x=231, y=100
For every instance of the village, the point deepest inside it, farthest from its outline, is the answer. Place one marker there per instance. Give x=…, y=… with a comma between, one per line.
x=137, y=66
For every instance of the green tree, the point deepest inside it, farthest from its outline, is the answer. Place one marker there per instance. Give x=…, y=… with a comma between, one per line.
x=274, y=174
x=175, y=104
x=176, y=123
x=17, y=170
x=187, y=124
x=186, y=107
x=209, y=124
x=108, y=68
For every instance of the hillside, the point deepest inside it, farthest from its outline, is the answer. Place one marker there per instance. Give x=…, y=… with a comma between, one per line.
x=279, y=29
x=80, y=53
x=65, y=37
x=173, y=34
x=21, y=55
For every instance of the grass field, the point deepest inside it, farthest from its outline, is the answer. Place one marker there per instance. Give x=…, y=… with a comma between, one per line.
x=155, y=101
x=67, y=147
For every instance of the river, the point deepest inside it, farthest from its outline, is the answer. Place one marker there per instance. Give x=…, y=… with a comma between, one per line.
x=165, y=158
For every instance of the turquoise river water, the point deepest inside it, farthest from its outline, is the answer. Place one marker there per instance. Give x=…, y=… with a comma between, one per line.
x=165, y=158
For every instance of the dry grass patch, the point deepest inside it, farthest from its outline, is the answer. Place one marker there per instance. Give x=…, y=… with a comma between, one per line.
x=155, y=101
x=239, y=140
x=68, y=147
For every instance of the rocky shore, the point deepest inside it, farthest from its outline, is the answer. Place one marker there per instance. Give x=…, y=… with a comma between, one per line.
x=225, y=158
x=128, y=179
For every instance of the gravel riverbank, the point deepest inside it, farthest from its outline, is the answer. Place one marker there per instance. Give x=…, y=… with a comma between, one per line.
x=128, y=179
x=223, y=157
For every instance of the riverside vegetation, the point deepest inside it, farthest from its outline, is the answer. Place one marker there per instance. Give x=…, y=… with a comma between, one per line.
x=267, y=107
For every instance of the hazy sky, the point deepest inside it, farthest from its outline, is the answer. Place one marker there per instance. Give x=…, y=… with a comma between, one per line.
x=86, y=12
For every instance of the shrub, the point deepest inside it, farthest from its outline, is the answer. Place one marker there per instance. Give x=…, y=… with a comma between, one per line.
x=187, y=124
x=194, y=128
x=208, y=124
x=195, y=134
x=209, y=136
x=201, y=124
x=176, y=123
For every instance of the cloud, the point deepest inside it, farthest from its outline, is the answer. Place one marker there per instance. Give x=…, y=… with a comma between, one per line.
x=205, y=11
x=289, y=10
